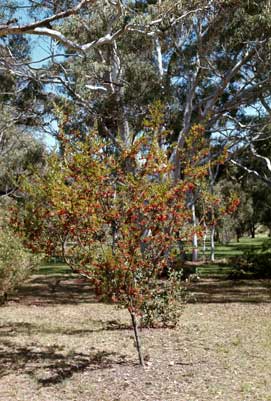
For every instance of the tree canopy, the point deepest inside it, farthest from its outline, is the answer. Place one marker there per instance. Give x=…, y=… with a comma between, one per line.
x=109, y=60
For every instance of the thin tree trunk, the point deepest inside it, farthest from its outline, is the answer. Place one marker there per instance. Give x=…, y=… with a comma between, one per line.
x=204, y=241
x=212, y=240
x=175, y=157
x=117, y=90
x=252, y=230
x=238, y=234
x=212, y=177
x=137, y=339
x=195, y=236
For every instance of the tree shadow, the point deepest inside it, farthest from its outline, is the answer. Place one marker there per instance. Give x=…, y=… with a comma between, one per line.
x=229, y=291
x=49, y=365
x=12, y=329
x=55, y=290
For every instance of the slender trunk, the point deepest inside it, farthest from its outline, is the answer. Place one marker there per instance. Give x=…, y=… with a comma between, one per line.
x=137, y=339
x=114, y=229
x=238, y=234
x=204, y=241
x=159, y=57
x=175, y=157
x=114, y=236
x=212, y=177
x=252, y=230
x=195, y=248
x=117, y=90
x=195, y=236
x=123, y=124
x=212, y=240
x=182, y=251
x=219, y=236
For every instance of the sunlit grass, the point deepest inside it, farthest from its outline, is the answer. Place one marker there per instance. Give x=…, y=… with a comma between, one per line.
x=221, y=267
x=53, y=268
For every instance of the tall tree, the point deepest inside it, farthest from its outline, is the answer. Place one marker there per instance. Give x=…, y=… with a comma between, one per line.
x=206, y=59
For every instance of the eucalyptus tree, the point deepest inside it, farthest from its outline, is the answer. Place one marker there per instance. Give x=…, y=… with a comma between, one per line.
x=22, y=107
x=207, y=60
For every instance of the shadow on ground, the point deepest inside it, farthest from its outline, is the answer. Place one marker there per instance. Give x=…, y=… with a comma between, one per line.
x=226, y=291
x=54, y=290
x=12, y=329
x=49, y=365
x=50, y=290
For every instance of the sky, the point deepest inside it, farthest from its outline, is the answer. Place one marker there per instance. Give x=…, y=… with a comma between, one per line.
x=41, y=48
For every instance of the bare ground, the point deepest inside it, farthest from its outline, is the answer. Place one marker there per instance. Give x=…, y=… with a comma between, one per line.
x=58, y=344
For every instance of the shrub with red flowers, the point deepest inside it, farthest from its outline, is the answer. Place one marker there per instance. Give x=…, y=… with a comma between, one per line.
x=113, y=213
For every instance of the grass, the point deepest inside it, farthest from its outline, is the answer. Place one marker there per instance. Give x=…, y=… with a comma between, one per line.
x=238, y=248
x=53, y=268
x=221, y=269
x=224, y=252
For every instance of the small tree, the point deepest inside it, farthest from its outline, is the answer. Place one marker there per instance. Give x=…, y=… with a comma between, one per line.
x=114, y=215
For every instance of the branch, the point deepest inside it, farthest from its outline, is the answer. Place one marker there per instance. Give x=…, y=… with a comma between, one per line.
x=265, y=104
x=7, y=29
x=159, y=56
x=251, y=93
x=225, y=80
x=175, y=156
x=105, y=40
x=252, y=172
x=175, y=21
x=96, y=87
x=266, y=159
x=43, y=28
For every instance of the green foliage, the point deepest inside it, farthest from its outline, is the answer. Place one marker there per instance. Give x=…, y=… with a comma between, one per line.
x=238, y=222
x=255, y=265
x=255, y=262
x=266, y=245
x=165, y=305
x=114, y=215
x=16, y=263
x=20, y=152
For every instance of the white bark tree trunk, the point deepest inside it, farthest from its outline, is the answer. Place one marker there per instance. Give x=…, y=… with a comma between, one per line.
x=204, y=248
x=212, y=178
x=195, y=236
x=212, y=241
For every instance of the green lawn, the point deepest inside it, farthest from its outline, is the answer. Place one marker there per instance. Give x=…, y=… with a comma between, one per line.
x=237, y=248
x=53, y=269
x=222, y=266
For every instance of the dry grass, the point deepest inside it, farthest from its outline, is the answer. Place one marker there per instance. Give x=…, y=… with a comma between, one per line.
x=60, y=346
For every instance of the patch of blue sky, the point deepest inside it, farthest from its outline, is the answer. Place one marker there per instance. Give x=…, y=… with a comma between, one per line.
x=41, y=50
